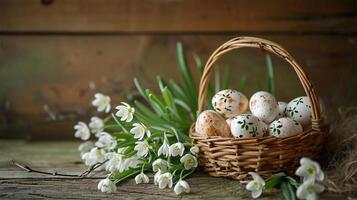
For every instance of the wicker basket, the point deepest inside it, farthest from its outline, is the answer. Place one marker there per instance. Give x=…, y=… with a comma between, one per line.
x=229, y=157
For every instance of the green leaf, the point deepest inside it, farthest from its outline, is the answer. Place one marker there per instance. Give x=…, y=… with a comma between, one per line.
x=225, y=80
x=125, y=144
x=126, y=174
x=119, y=123
x=287, y=192
x=274, y=180
x=198, y=63
x=168, y=98
x=217, y=81
x=242, y=83
x=124, y=136
x=185, y=73
x=292, y=181
x=292, y=191
x=271, y=84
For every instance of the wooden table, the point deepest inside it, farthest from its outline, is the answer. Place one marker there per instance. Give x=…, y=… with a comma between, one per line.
x=64, y=157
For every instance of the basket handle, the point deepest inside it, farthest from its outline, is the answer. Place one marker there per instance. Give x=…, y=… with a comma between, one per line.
x=269, y=46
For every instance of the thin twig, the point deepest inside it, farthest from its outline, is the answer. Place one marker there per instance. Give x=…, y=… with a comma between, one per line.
x=55, y=173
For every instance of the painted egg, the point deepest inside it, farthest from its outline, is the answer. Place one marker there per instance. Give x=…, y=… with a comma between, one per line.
x=230, y=103
x=264, y=105
x=210, y=123
x=284, y=127
x=247, y=126
x=229, y=121
x=299, y=109
x=282, y=109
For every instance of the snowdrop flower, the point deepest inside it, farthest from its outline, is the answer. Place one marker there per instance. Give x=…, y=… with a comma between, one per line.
x=125, y=111
x=106, y=141
x=85, y=147
x=194, y=150
x=156, y=177
x=94, y=156
x=164, y=149
x=133, y=162
x=160, y=165
x=256, y=185
x=189, y=161
x=116, y=163
x=308, y=190
x=107, y=186
x=139, y=131
x=165, y=180
x=141, y=178
x=82, y=131
x=182, y=186
x=102, y=102
x=177, y=149
x=142, y=148
x=96, y=125
x=310, y=169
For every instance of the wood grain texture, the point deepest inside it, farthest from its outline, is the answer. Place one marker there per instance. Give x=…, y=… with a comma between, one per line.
x=112, y=16
x=63, y=156
x=47, y=82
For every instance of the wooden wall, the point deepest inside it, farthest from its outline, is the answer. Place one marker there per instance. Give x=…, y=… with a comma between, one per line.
x=54, y=54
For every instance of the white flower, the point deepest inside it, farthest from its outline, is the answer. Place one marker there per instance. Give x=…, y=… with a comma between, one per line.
x=177, y=149
x=141, y=178
x=102, y=102
x=82, y=131
x=142, y=148
x=133, y=161
x=125, y=112
x=164, y=149
x=189, y=161
x=106, y=141
x=256, y=185
x=85, y=147
x=194, y=150
x=160, y=165
x=182, y=186
x=165, y=180
x=156, y=177
x=96, y=125
x=310, y=169
x=139, y=131
x=116, y=163
x=107, y=186
x=94, y=156
x=308, y=190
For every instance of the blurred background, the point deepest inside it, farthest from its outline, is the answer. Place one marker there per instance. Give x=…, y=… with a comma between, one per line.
x=55, y=54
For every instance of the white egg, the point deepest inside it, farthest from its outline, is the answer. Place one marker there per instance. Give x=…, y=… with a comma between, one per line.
x=282, y=109
x=299, y=109
x=230, y=103
x=264, y=105
x=210, y=123
x=284, y=127
x=229, y=121
x=247, y=126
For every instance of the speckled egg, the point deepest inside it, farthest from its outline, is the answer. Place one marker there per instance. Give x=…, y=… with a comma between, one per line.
x=282, y=109
x=284, y=127
x=211, y=123
x=299, y=109
x=247, y=126
x=230, y=103
x=264, y=105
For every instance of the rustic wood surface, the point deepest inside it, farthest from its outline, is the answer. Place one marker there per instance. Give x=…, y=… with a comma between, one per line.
x=63, y=157
x=177, y=16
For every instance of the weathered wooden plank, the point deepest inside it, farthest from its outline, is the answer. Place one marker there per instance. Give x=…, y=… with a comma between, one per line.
x=56, y=75
x=322, y=16
x=63, y=156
